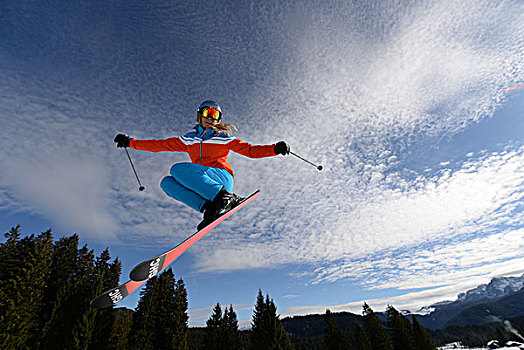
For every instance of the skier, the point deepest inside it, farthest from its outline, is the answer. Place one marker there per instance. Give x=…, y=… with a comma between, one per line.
x=205, y=184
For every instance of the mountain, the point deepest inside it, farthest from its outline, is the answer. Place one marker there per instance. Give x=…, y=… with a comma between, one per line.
x=502, y=297
x=493, y=310
x=498, y=287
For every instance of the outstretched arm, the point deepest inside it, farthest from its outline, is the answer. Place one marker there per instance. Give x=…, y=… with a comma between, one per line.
x=172, y=144
x=258, y=151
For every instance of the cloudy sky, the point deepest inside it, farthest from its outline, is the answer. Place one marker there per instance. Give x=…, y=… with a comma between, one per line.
x=415, y=110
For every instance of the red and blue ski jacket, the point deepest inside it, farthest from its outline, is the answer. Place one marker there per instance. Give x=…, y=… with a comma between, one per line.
x=209, y=148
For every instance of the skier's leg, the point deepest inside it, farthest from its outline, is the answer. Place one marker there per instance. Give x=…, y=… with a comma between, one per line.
x=181, y=193
x=205, y=181
x=212, y=184
x=221, y=176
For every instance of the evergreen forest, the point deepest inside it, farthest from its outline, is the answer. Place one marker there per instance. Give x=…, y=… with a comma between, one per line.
x=47, y=284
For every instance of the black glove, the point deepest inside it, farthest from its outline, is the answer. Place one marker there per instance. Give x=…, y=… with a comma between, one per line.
x=282, y=148
x=122, y=140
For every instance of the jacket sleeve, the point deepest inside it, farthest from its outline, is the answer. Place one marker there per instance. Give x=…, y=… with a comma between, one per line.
x=172, y=144
x=251, y=151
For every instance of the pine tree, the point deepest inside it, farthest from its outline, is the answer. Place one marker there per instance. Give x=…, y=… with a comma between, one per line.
x=160, y=320
x=267, y=330
x=376, y=334
x=181, y=318
x=420, y=336
x=59, y=289
x=230, y=324
x=333, y=338
x=142, y=329
x=67, y=321
x=45, y=291
x=361, y=339
x=83, y=330
x=56, y=319
x=80, y=314
x=163, y=311
x=215, y=330
x=106, y=277
x=258, y=331
x=24, y=266
x=121, y=329
x=402, y=334
x=222, y=330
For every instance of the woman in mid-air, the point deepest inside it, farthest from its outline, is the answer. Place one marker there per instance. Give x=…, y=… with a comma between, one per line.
x=205, y=184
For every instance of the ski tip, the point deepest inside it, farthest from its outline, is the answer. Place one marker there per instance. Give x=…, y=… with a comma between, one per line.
x=101, y=302
x=140, y=272
x=253, y=195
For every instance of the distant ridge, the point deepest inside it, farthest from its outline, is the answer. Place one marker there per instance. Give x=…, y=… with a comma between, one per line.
x=496, y=298
x=498, y=287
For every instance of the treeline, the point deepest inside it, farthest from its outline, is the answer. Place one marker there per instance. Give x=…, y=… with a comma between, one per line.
x=365, y=333
x=46, y=288
x=480, y=335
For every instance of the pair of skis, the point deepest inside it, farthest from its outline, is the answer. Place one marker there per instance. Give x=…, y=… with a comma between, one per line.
x=149, y=268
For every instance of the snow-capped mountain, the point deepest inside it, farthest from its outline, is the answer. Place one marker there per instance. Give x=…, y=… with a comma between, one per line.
x=476, y=305
x=498, y=287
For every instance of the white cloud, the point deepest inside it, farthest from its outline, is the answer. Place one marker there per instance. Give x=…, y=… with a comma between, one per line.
x=408, y=301
x=291, y=296
x=348, y=86
x=70, y=192
x=401, y=87
x=397, y=215
x=411, y=301
x=432, y=267
x=53, y=165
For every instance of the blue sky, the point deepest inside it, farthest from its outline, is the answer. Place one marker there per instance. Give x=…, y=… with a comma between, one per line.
x=414, y=110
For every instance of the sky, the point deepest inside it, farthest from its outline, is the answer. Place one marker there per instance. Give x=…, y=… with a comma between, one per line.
x=415, y=110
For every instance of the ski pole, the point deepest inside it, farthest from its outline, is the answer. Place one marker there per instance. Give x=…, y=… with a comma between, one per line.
x=141, y=188
x=319, y=167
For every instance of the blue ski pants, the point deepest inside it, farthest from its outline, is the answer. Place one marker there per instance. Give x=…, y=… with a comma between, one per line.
x=194, y=184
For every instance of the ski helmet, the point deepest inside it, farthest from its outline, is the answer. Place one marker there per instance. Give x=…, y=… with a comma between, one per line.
x=209, y=103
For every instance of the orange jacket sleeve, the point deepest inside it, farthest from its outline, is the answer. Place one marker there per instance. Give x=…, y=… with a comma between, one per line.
x=251, y=151
x=172, y=144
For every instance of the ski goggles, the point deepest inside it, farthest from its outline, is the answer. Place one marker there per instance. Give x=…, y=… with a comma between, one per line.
x=211, y=112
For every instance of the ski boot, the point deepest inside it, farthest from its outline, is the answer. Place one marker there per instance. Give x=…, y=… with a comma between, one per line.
x=221, y=204
x=209, y=215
